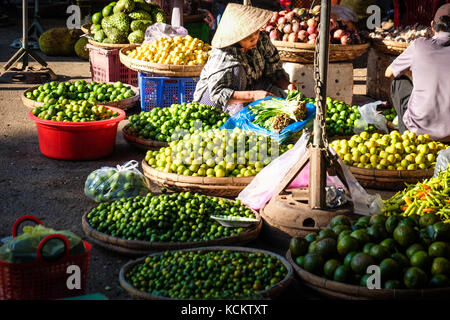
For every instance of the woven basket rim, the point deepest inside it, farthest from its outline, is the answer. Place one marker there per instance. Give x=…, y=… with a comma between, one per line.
x=140, y=141
x=271, y=292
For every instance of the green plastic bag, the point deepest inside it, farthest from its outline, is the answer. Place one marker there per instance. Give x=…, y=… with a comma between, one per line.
x=23, y=248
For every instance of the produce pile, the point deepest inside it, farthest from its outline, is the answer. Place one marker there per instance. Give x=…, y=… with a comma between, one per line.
x=176, y=217
x=52, y=92
x=402, y=34
x=277, y=114
x=125, y=21
x=74, y=111
x=411, y=254
x=217, y=153
x=177, y=50
x=393, y=151
x=389, y=114
x=109, y=184
x=163, y=124
x=301, y=25
x=429, y=199
x=203, y=274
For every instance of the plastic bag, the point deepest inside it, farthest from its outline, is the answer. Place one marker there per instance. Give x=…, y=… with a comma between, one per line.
x=369, y=115
x=442, y=161
x=108, y=183
x=263, y=186
x=23, y=248
x=161, y=30
x=243, y=120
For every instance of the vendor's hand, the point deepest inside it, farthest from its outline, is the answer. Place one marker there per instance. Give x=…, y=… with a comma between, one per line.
x=261, y=94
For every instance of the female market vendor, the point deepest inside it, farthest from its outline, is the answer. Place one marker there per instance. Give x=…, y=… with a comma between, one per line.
x=423, y=104
x=243, y=66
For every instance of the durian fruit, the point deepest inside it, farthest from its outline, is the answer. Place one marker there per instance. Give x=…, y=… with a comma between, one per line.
x=59, y=41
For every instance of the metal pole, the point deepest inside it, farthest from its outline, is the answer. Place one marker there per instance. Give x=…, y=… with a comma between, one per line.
x=324, y=40
x=25, y=32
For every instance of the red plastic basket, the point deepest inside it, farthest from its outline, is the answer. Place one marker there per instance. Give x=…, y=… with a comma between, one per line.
x=42, y=279
x=77, y=140
x=106, y=66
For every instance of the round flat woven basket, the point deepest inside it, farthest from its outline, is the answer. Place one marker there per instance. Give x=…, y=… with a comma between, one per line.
x=140, y=248
x=304, y=53
x=108, y=45
x=86, y=28
x=272, y=292
x=338, y=290
x=389, y=47
x=141, y=143
x=389, y=179
x=121, y=104
x=211, y=186
x=169, y=70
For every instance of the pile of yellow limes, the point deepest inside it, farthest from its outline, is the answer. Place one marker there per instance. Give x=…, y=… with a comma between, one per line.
x=177, y=50
x=394, y=151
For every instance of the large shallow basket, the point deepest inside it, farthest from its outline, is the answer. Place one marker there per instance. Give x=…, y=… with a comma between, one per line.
x=389, y=179
x=108, y=45
x=389, y=47
x=121, y=104
x=304, y=53
x=273, y=292
x=212, y=186
x=140, y=248
x=170, y=70
x=338, y=290
x=141, y=143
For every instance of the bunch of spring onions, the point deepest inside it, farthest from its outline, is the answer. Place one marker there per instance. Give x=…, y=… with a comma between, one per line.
x=276, y=114
x=430, y=196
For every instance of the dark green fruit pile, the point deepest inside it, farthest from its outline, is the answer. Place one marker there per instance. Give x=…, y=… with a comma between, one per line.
x=217, y=153
x=341, y=118
x=74, y=111
x=177, y=217
x=205, y=274
x=110, y=184
x=53, y=92
x=409, y=254
x=163, y=124
x=389, y=114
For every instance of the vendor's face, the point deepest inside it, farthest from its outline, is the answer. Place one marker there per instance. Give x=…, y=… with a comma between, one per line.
x=250, y=42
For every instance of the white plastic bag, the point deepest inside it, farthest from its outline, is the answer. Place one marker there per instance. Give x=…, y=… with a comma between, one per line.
x=369, y=115
x=442, y=161
x=108, y=183
x=161, y=30
x=263, y=186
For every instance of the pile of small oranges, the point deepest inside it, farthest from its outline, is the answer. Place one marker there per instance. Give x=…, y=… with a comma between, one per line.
x=177, y=50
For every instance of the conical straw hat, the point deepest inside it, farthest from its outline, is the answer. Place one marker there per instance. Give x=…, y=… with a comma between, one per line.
x=238, y=22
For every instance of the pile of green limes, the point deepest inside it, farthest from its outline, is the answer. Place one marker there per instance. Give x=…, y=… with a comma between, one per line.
x=53, y=92
x=217, y=153
x=411, y=253
x=176, y=217
x=203, y=274
x=74, y=111
x=163, y=124
x=394, y=151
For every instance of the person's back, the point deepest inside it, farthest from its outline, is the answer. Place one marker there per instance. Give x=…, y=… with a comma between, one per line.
x=429, y=105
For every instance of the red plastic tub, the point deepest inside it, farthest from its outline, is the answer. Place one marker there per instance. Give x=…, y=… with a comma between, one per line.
x=77, y=140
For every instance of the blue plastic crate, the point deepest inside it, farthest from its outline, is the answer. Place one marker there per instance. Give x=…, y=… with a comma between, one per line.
x=165, y=91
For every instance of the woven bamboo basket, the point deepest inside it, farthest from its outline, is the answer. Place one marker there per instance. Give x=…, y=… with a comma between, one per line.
x=108, y=45
x=338, y=290
x=141, y=143
x=304, y=53
x=121, y=104
x=389, y=47
x=212, y=186
x=140, y=248
x=389, y=179
x=86, y=28
x=273, y=292
x=169, y=70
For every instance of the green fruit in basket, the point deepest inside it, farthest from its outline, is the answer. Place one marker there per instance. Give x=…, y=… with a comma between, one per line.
x=125, y=6
x=97, y=18
x=158, y=16
x=141, y=25
x=140, y=15
x=136, y=37
x=95, y=28
x=107, y=11
x=100, y=36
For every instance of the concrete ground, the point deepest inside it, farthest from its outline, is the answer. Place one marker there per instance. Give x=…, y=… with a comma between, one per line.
x=52, y=190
